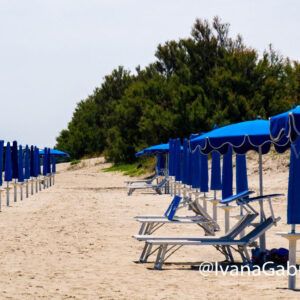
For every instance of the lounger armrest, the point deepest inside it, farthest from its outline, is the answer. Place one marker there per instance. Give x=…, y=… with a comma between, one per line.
x=236, y=197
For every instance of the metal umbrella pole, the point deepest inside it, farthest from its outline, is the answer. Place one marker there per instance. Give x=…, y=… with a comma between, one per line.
x=262, y=239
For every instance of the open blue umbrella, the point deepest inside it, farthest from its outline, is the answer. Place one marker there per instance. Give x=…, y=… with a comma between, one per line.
x=286, y=125
x=154, y=150
x=1, y=161
x=56, y=153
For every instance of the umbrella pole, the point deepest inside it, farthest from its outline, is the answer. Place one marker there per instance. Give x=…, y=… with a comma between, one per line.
x=15, y=190
x=31, y=185
x=21, y=191
x=7, y=194
x=262, y=239
x=27, y=188
x=215, y=206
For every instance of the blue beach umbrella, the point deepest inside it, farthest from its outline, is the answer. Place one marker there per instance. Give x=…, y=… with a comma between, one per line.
x=177, y=160
x=48, y=161
x=21, y=168
x=45, y=163
x=204, y=173
x=196, y=173
x=56, y=153
x=15, y=163
x=286, y=125
x=153, y=150
x=1, y=161
x=36, y=158
x=31, y=161
x=241, y=173
x=27, y=163
x=227, y=174
x=216, y=181
x=8, y=166
x=190, y=168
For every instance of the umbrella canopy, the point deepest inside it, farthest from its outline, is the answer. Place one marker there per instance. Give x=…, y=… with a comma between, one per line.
x=216, y=182
x=293, y=207
x=244, y=136
x=55, y=152
x=21, y=169
x=227, y=174
x=1, y=161
x=15, y=162
x=286, y=125
x=8, y=166
x=154, y=150
x=27, y=163
x=241, y=173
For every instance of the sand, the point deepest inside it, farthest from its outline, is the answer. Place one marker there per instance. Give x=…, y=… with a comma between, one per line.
x=73, y=241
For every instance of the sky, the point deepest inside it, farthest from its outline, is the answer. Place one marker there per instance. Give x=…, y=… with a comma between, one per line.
x=53, y=53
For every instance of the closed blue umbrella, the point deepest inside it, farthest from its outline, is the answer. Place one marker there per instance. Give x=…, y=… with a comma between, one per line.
x=54, y=164
x=170, y=158
x=177, y=160
x=21, y=167
x=196, y=175
x=241, y=173
x=35, y=163
x=45, y=163
x=8, y=170
x=204, y=173
x=31, y=161
x=1, y=161
x=184, y=161
x=216, y=182
x=190, y=168
x=27, y=163
x=8, y=166
x=227, y=174
x=39, y=164
x=48, y=161
x=15, y=164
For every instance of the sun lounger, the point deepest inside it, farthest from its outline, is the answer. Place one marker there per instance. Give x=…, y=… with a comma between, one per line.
x=156, y=187
x=147, y=181
x=220, y=243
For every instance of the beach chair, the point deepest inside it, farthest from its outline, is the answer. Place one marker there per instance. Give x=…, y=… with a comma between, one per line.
x=222, y=243
x=147, y=181
x=156, y=187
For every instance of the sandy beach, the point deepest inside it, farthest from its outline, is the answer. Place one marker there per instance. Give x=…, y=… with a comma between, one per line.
x=74, y=241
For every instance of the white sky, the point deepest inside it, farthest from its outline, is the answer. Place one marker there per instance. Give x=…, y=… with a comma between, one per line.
x=53, y=53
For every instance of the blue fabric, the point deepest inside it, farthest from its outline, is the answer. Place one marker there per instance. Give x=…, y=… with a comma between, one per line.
x=31, y=161
x=184, y=161
x=15, y=162
x=241, y=173
x=177, y=160
x=216, y=182
x=204, y=173
x=27, y=163
x=244, y=136
x=227, y=174
x=170, y=212
x=286, y=124
x=53, y=164
x=170, y=163
x=196, y=174
x=241, y=195
x=20, y=165
x=48, y=161
x=39, y=164
x=45, y=162
x=8, y=166
x=154, y=150
x=36, y=162
x=1, y=161
x=293, y=206
x=55, y=152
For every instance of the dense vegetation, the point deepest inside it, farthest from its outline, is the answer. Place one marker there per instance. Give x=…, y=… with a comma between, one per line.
x=194, y=83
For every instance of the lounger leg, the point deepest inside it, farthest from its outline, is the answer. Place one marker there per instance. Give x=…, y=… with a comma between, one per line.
x=146, y=252
x=130, y=192
x=142, y=228
x=160, y=257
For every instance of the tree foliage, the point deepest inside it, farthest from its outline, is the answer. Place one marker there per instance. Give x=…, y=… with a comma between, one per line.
x=194, y=83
